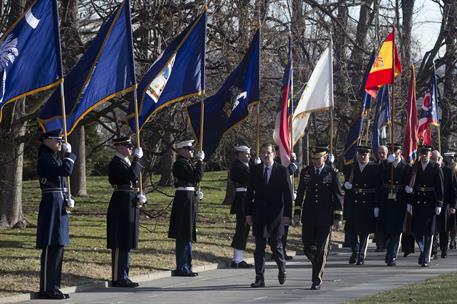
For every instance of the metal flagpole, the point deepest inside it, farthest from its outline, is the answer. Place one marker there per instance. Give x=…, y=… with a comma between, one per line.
x=291, y=97
x=257, y=146
x=331, y=95
x=392, y=113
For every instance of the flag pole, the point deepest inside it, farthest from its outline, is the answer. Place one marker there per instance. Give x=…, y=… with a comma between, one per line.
x=257, y=147
x=291, y=126
x=62, y=88
x=392, y=108
x=331, y=96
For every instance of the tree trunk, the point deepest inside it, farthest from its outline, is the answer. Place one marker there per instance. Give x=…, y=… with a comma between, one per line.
x=78, y=178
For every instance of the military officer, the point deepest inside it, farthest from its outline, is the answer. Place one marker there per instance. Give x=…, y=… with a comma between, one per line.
x=449, y=204
x=52, y=226
x=322, y=208
x=449, y=161
x=393, y=202
x=123, y=210
x=379, y=236
x=187, y=171
x=362, y=190
x=239, y=174
x=426, y=201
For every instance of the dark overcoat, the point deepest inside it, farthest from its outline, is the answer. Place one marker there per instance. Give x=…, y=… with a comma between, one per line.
x=444, y=220
x=239, y=174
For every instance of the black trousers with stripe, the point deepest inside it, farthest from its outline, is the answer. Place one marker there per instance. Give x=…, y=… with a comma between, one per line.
x=315, y=242
x=51, y=268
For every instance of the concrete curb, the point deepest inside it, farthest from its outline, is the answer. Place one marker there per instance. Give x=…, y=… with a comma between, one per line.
x=140, y=278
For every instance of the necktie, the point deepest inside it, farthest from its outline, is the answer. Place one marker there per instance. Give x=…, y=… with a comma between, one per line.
x=317, y=171
x=265, y=175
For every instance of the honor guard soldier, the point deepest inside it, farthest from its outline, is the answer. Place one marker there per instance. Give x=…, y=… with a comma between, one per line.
x=379, y=237
x=393, y=202
x=322, y=208
x=426, y=201
x=268, y=209
x=52, y=226
x=449, y=162
x=188, y=172
x=239, y=174
x=124, y=209
x=362, y=196
x=449, y=204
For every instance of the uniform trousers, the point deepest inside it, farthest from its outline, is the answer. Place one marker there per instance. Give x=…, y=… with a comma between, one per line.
x=120, y=260
x=392, y=245
x=241, y=232
x=425, y=246
x=183, y=255
x=51, y=268
x=315, y=242
x=359, y=245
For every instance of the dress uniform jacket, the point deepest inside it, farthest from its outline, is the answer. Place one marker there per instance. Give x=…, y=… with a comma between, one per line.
x=268, y=203
x=184, y=209
x=428, y=194
x=362, y=199
x=52, y=227
x=239, y=174
x=393, y=211
x=323, y=202
x=123, y=215
x=449, y=198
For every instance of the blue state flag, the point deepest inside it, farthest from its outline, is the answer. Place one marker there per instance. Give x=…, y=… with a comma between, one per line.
x=232, y=103
x=176, y=75
x=356, y=129
x=106, y=70
x=30, y=53
x=381, y=118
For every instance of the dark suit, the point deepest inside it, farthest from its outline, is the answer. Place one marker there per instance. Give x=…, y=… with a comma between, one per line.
x=52, y=226
x=322, y=205
x=122, y=227
x=268, y=203
x=239, y=174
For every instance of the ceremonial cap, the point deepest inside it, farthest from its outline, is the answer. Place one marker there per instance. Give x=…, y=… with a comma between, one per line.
x=54, y=134
x=243, y=148
x=185, y=144
x=123, y=140
x=363, y=149
x=425, y=148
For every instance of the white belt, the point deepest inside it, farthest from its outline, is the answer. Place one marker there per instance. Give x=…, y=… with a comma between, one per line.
x=185, y=188
x=241, y=189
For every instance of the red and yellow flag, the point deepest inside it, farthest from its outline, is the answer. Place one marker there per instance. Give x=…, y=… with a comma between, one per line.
x=381, y=72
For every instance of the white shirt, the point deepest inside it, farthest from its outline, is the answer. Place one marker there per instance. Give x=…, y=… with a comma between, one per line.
x=396, y=162
x=424, y=165
x=362, y=166
x=320, y=168
x=125, y=158
x=268, y=172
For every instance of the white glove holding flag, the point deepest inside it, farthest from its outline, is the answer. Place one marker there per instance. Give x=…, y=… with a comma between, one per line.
x=331, y=158
x=376, y=212
x=348, y=185
x=437, y=210
x=138, y=152
x=408, y=189
x=293, y=157
x=409, y=208
x=294, y=195
x=142, y=199
x=66, y=147
x=200, y=156
x=199, y=195
x=70, y=202
x=257, y=161
x=391, y=158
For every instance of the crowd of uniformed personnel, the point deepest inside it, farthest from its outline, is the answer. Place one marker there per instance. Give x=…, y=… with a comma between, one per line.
x=400, y=203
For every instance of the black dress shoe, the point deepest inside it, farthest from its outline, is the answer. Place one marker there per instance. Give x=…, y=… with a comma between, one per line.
x=243, y=264
x=424, y=264
x=51, y=295
x=288, y=257
x=233, y=264
x=128, y=284
x=65, y=295
x=443, y=255
x=360, y=262
x=315, y=286
x=282, y=277
x=452, y=245
x=353, y=258
x=258, y=284
x=392, y=263
x=176, y=273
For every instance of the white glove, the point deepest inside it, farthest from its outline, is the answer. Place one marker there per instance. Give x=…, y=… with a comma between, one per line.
x=409, y=208
x=294, y=195
x=293, y=157
x=257, y=161
x=437, y=210
x=199, y=195
x=142, y=198
x=391, y=158
x=408, y=189
x=200, y=156
x=348, y=185
x=331, y=158
x=70, y=202
x=66, y=147
x=376, y=212
x=138, y=152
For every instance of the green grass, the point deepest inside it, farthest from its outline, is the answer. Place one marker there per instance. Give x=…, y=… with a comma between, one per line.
x=441, y=289
x=87, y=259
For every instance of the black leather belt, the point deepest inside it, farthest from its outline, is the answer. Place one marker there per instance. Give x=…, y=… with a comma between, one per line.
x=362, y=190
x=124, y=188
x=52, y=190
x=425, y=189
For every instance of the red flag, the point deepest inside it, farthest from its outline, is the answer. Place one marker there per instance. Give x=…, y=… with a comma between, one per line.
x=381, y=72
x=410, y=145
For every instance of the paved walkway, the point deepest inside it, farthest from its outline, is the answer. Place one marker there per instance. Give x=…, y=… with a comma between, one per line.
x=342, y=282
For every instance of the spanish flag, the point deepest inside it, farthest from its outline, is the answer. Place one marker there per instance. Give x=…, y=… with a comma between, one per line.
x=381, y=72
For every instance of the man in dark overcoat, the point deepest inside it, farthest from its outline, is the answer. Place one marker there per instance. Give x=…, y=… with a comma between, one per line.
x=426, y=200
x=188, y=172
x=449, y=161
x=320, y=194
x=268, y=209
x=52, y=226
x=123, y=210
x=239, y=174
x=393, y=202
x=362, y=199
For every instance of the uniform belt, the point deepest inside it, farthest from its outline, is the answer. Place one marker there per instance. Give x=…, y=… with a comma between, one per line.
x=185, y=188
x=362, y=190
x=393, y=187
x=124, y=188
x=241, y=189
x=425, y=189
x=51, y=190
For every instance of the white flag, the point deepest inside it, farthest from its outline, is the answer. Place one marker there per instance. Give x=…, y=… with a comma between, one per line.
x=317, y=96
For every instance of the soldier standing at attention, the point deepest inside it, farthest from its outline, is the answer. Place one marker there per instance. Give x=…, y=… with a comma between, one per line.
x=449, y=161
x=52, y=226
x=362, y=192
x=123, y=210
x=239, y=174
x=426, y=201
x=322, y=208
x=184, y=210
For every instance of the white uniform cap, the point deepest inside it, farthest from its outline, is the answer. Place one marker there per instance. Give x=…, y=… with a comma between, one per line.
x=183, y=144
x=243, y=148
x=449, y=154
